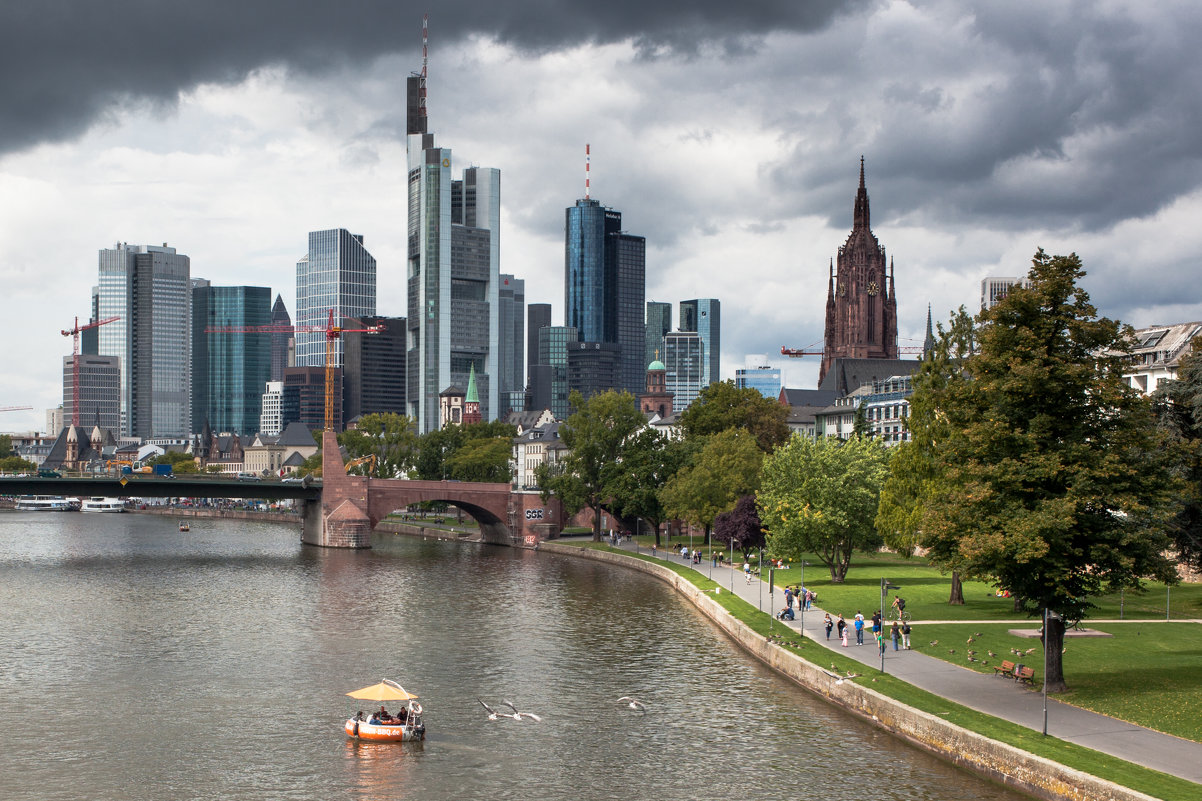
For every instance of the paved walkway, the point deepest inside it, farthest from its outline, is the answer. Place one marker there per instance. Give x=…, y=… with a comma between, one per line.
x=989, y=694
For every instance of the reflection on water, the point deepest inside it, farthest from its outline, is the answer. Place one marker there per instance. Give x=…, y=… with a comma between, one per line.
x=144, y=662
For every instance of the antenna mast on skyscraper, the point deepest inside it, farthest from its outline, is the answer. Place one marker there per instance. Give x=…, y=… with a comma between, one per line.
x=586, y=170
x=425, y=58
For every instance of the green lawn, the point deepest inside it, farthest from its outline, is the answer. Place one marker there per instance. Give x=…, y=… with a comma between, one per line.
x=1159, y=658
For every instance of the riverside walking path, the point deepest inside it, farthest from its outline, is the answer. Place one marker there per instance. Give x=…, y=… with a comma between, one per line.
x=992, y=695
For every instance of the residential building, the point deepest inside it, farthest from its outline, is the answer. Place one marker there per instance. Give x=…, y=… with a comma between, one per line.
x=229, y=368
x=704, y=316
x=887, y=408
x=684, y=358
x=148, y=288
x=336, y=274
x=511, y=317
x=804, y=407
x=1157, y=352
x=99, y=391
x=861, y=303
x=373, y=371
x=534, y=447
x=453, y=272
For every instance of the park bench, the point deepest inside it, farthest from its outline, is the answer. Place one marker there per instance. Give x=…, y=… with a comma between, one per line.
x=1004, y=669
x=1025, y=674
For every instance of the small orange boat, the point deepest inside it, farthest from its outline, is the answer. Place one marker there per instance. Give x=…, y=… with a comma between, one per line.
x=379, y=726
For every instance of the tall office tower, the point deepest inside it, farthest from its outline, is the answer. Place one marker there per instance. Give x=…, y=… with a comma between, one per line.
x=553, y=343
x=994, y=288
x=605, y=285
x=337, y=273
x=861, y=312
x=704, y=315
x=659, y=323
x=684, y=358
x=229, y=370
x=593, y=367
x=281, y=406
x=453, y=270
x=148, y=288
x=511, y=315
x=99, y=391
x=373, y=371
x=279, y=339
x=309, y=386
x=760, y=376
x=89, y=339
x=538, y=387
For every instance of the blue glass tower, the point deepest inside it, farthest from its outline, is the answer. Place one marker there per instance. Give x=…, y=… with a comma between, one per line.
x=229, y=371
x=337, y=273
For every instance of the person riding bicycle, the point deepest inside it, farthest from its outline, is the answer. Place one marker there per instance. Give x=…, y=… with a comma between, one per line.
x=899, y=605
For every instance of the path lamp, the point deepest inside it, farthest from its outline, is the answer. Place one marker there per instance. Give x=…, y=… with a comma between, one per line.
x=1045, y=671
x=759, y=569
x=885, y=585
x=732, y=564
x=802, y=605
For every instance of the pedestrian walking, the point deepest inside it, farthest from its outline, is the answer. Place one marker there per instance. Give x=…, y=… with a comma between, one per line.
x=830, y=624
x=653, y=551
x=809, y=600
x=895, y=633
x=906, y=636
x=842, y=631
x=859, y=622
x=747, y=571
x=788, y=598
x=876, y=625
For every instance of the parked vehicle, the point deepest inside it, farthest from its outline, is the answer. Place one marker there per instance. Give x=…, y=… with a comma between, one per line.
x=249, y=477
x=164, y=470
x=49, y=474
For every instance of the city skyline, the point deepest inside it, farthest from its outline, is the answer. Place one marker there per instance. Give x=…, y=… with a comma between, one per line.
x=733, y=140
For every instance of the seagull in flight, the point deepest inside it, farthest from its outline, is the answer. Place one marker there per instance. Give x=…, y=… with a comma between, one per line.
x=494, y=714
x=519, y=715
x=840, y=679
x=633, y=703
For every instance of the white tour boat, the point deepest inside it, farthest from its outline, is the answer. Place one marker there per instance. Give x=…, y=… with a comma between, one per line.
x=43, y=503
x=99, y=504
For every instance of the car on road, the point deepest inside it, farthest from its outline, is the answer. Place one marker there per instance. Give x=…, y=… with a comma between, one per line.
x=249, y=477
x=292, y=480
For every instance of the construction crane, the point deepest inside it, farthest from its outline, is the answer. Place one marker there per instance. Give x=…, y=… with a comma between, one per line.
x=332, y=333
x=73, y=332
x=14, y=408
x=797, y=353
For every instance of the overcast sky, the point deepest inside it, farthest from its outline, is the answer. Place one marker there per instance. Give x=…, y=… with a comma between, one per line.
x=728, y=134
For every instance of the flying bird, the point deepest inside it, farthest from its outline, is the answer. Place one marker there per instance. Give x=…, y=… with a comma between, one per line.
x=519, y=715
x=492, y=713
x=633, y=703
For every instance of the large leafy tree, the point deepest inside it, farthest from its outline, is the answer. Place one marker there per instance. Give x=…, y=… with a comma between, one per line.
x=391, y=438
x=1061, y=488
x=1179, y=408
x=914, y=474
x=741, y=527
x=820, y=496
x=595, y=436
x=726, y=468
x=438, y=452
x=482, y=459
x=649, y=459
x=721, y=406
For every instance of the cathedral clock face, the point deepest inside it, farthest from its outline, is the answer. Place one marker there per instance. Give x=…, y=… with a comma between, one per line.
x=873, y=288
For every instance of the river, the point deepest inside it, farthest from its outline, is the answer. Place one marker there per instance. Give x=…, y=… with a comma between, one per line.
x=140, y=662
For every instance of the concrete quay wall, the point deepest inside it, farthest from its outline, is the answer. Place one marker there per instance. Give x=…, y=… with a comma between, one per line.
x=998, y=761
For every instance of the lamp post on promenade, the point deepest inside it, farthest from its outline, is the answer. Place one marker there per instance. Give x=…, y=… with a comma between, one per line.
x=885, y=585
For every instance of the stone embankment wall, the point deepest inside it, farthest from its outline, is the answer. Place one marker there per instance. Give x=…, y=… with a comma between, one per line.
x=418, y=530
x=225, y=514
x=995, y=760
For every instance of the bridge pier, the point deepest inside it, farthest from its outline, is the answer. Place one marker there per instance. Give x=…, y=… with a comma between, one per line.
x=340, y=519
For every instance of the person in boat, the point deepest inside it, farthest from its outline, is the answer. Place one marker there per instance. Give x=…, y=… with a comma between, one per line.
x=403, y=716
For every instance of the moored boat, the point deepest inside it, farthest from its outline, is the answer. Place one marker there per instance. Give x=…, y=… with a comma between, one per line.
x=406, y=726
x=99, y=504
x=43, y=503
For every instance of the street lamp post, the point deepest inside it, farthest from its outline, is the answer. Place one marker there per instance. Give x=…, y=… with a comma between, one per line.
x=1045, y=671
x=885, y=585
x=732, y=565
x=759, y=568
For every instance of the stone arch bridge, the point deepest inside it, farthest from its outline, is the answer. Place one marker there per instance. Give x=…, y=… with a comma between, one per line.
x=351, y=506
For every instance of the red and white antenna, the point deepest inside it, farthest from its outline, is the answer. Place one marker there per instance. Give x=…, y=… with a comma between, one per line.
x=425, y=59
x=587, y=158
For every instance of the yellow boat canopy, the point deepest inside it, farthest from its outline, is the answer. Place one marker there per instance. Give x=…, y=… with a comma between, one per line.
x=386, y=690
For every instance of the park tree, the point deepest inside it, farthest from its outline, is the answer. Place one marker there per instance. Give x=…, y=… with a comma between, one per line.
x=820, y=496
x=1179, y=411
x=725, y=468
x=721, y=406
x=649, y=459
x=438, y=457
x=6, y=445
x=15, y=464
x=391, y=438
x=741, y=527
x=482, y=459
x=1060, y=489
x=595, y=436
x=914, y=474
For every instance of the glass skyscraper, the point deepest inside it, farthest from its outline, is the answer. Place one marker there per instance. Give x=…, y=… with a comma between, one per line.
x=148, y=287
x=553, y=353
x=684, y=355
x=704, y=316
x=659, y=323
x=605, y=286
x=279, y=341
x=511, y=316
x=764, y=379
x=337, y=273
x=229, y=370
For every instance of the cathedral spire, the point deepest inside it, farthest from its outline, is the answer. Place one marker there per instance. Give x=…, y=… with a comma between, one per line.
x=860, y=219
x=928, y=345
x=830, y=292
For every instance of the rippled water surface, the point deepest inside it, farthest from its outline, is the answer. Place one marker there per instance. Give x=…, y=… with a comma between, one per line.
x=140, y=662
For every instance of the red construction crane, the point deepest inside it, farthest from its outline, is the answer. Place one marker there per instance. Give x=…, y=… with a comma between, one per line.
x=797, y=353
x=332, y=332
x=74, y=334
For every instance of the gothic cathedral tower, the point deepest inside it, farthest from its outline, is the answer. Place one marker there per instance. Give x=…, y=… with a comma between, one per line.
x=861, y=309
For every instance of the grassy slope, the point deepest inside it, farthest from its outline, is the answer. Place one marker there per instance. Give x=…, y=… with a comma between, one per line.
x=1104, y=766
